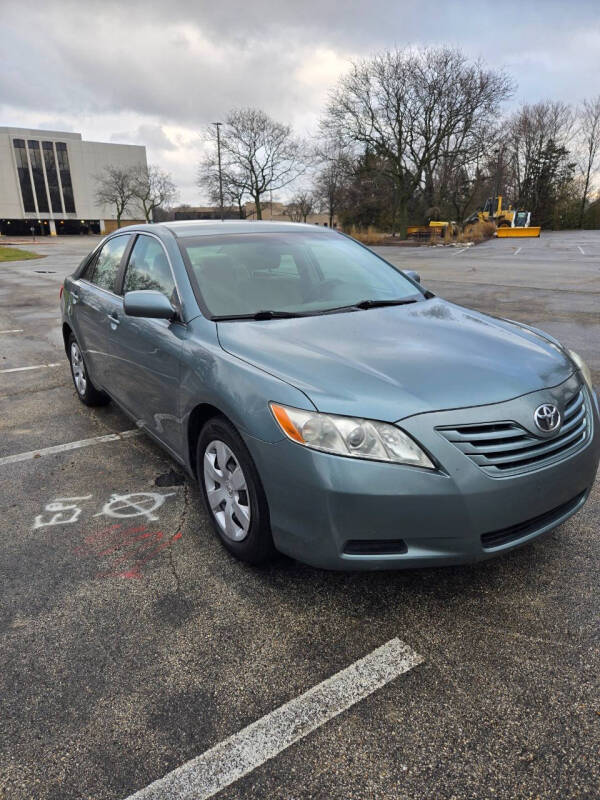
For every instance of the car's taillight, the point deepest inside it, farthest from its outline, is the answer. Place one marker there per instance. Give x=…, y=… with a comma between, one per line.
x=62, y=288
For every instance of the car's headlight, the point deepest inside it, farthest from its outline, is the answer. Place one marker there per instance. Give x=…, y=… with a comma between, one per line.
x=582, y=367
x=350, y=436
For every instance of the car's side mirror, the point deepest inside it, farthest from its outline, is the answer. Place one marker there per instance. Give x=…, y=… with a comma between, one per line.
x=148, y=303
x=412, y=274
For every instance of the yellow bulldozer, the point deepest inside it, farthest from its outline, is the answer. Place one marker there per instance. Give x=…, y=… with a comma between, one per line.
x=509, y=222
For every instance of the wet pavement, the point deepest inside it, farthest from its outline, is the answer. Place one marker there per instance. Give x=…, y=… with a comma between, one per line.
x=131, y=642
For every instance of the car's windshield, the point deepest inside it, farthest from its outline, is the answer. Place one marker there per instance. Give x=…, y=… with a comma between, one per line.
x=296, y=272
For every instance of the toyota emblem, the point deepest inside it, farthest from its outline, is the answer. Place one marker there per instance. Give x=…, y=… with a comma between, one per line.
x=547, y=417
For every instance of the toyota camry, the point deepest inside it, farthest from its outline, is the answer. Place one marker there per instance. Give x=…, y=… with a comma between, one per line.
x=330, y=407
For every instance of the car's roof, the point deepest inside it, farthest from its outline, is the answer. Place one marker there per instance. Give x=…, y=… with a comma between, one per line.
x=210, y=227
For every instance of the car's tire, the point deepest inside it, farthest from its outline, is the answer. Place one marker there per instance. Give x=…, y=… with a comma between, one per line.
x=86, y=391
x=237, y=505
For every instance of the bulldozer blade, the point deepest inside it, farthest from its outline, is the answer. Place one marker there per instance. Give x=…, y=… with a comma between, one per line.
x=518, y=233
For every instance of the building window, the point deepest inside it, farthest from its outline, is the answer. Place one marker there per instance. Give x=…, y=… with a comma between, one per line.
x=52, y=177
x=24, y=177
x=65, y=177
x=37, y=171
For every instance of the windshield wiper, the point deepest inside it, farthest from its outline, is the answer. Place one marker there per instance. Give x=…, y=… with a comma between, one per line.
x=276, y=314
x=260, y=315
x=381, y=303
x=365, y=304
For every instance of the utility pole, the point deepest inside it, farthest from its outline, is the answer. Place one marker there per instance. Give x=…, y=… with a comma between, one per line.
x=218, y=127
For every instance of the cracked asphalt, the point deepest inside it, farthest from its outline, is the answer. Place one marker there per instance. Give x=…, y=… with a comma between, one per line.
x=132, y=642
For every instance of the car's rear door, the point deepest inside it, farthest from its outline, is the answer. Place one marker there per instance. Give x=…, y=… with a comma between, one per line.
x=93, y=303
x=145, y=354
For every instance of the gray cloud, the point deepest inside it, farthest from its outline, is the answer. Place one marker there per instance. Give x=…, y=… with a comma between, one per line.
x=150, y=135
x=156, y=73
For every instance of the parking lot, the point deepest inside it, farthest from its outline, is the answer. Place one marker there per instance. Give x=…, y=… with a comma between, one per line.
x=132, y=643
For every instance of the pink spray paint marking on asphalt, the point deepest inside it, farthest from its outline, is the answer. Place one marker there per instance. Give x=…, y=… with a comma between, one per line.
x=125, y=552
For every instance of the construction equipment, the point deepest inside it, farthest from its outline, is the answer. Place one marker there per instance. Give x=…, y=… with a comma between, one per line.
x=519, y=227
x=436, y=230
x=509, y=222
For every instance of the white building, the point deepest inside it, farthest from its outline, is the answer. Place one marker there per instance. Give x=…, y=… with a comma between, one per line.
x=47, y=181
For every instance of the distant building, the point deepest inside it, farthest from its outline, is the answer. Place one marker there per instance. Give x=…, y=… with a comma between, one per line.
x=277, y=212
x=47, y=181
x=204, y=212
x=270, y=211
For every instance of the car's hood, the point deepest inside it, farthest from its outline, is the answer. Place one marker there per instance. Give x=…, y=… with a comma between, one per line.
x=392, y=362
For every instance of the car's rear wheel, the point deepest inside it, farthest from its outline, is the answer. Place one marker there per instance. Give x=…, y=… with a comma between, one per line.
x=86, y=391
x=233, y=492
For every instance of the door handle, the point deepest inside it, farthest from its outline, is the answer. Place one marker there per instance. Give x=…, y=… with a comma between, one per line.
x=114, y=321
x=74, y=297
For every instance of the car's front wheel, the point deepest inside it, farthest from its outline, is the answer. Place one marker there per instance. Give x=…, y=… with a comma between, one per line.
x=86, y=391
x=233, y=492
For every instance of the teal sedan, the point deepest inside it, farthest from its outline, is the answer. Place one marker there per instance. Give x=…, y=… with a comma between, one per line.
x=330, y=407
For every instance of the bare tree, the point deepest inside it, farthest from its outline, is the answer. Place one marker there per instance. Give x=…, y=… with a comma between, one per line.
x=530, y=131
x=301, y=206
x=464, y=178
x=539, y=169
x=235, y=189
x=262, y=154
x=412, y=107
x=115, y=187
x=154, y=188
x=589, y=135
x=331, y=178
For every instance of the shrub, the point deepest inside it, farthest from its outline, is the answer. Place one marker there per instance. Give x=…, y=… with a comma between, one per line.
x=478, y=232
x=370, y=235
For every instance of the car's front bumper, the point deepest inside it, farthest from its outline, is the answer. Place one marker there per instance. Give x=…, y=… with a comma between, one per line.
x=319, y=502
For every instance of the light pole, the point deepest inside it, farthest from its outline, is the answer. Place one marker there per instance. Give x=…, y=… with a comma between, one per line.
x=218, y=127
x=498, y=153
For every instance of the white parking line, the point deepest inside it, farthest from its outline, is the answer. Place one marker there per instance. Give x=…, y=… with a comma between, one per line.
x=458, y=252
x=518, y=250
x=16, y=330
x=59, y=448
x=36, y=366
x=227, y=762
x=580, y=250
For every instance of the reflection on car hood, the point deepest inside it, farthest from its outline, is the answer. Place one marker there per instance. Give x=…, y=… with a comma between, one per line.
x=390, y=363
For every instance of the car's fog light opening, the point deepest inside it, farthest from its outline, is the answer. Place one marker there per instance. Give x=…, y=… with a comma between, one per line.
x=375, y=547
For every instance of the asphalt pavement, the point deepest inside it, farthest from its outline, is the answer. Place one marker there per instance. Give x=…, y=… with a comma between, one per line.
x=131, y=643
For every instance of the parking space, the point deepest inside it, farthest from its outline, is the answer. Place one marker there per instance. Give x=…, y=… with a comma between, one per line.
x=133, y=644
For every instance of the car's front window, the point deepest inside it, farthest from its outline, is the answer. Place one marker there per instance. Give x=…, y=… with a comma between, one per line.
x=303, y=272
x=105, y=266
x=149, y=268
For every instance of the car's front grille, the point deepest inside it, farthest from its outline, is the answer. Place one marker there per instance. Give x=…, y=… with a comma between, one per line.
x=501, y=448
x=522, y=529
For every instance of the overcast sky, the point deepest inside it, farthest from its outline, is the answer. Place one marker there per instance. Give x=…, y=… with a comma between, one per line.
x=156, y=73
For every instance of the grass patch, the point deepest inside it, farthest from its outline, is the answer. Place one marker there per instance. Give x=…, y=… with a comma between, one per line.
x=15, y=254
x=368, y=235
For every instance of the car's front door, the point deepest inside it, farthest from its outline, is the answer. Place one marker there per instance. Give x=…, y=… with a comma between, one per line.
x=94, y=301
x=145, y=354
